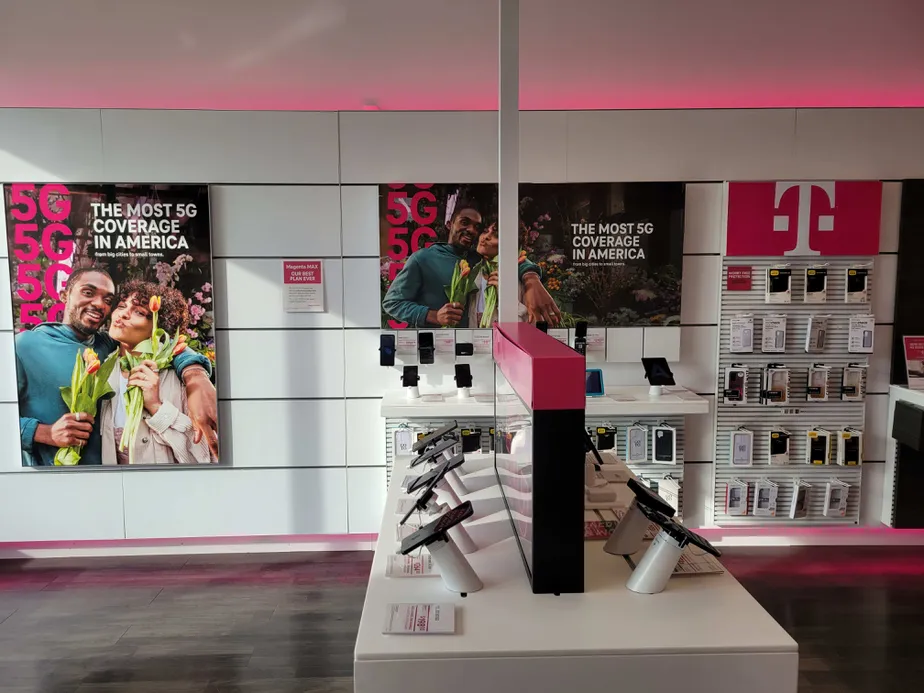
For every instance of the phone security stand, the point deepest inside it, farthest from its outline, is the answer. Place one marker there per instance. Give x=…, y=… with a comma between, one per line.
x=409, y=381
x=657, y=565
x=629, y=534
x=463, y=380
x=457, y=573
x=435, y=480
x=658, y=374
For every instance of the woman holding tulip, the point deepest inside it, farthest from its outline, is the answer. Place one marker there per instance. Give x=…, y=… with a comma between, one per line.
x=147, y=421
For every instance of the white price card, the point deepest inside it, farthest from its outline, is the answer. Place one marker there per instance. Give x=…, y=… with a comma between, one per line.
x=860, y=336
x=596, y=340
x=407, y=343
x=559, y=333
x=415, y=619
x=446, y=342
x=411, y=566
x=742, y=334
x=483, y=342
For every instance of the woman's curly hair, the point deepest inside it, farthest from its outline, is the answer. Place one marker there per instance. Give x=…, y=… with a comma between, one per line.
x=173, y=314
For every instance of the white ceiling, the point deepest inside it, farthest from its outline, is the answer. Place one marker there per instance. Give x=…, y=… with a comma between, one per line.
x=436, y=54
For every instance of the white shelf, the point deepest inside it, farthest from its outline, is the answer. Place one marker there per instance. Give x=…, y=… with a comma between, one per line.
x=620, y=401
x=702, y=633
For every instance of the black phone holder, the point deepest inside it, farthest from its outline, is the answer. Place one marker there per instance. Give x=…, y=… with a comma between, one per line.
x=542, y=326
x=463, y=376
x=629, y=534
x=433, y=437
x=580, y=338
x=409, y=381
x=456, y=571
x=651, y=574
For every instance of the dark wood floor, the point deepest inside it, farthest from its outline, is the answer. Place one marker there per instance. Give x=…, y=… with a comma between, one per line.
x=286, y=623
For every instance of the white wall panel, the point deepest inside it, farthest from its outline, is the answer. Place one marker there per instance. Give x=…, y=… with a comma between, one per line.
x=662, y=342
x=10, y=457
x=61, y=506
x=234, y=502
x=250, y=294
x=880, y=362
x=7, y=366
x=6, y=309
x=700, y=435
x=360, y=212
x=283, y=433
x=702, y=278
x=365, y=377
x=624, y=344
x=704, y=209
x=365, y=433
x=680, y=145
x=220, y=146
x=367, y=490
x=876, y=433
x=871, y=488
x=543, y=146
x=885, y=276
x=409, y=147
x=4, y=250
x=275, y=220
x=362, y=306
x=863, y=143
x=697, y=494
x=696, y=369
x=891, y=217
x=266, y=364
x=50, y=144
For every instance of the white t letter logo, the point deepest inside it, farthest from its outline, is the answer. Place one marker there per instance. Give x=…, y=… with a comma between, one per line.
x=825, y=221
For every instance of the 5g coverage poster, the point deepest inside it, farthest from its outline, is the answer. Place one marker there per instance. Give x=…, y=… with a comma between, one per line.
x=113, y=311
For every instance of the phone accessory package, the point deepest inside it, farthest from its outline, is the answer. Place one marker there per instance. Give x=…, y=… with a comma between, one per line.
x=818, y=446
x=798, y=508
x=816, y=336
x=816, y=284
x=669, y=490
x=736, y=384
x=849, y=447
x=778, y=449
x=471, y=439
x=779, y=285
x=773, y=334
x=606, y=438
x=742, y=334
x=765, y=493
x=742, y=447
x=774, y=387
x=852, y=378
x=860, y=334
x=836, y=493
x=664, y=444
x=736, y=497
x=817, y=383
x=637, y=443
x=857, y=285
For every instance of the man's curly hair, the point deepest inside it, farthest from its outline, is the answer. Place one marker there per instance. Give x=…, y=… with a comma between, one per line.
x=173, y=313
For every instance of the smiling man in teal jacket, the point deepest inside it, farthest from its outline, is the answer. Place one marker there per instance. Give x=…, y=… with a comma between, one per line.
x=45, y=358
x=417, y=296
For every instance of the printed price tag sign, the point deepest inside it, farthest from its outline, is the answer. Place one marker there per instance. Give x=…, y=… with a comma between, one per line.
x=739, y=278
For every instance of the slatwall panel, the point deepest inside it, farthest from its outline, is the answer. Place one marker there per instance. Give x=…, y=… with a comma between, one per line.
x=800, y=415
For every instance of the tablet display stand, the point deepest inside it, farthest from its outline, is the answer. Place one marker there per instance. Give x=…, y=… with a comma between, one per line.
x=629, y=534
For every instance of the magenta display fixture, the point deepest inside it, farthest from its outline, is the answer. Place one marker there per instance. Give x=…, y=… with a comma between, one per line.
x=539, y=452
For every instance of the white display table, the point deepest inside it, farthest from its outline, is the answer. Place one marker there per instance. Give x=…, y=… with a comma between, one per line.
x=703, y=633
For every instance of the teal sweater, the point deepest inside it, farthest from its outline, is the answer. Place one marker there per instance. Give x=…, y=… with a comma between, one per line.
x=45, y=358
x=421, y=285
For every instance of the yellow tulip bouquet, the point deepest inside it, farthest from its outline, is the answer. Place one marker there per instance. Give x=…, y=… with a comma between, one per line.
x=160, y=349
x=89, y=383
x=461, y=285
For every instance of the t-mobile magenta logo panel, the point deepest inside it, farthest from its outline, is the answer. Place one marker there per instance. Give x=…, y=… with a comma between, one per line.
x=804, y=218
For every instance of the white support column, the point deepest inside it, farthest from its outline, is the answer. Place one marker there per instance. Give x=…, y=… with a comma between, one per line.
x=508, y=156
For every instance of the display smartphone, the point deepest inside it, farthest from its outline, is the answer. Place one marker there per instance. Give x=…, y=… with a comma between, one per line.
x=465, y=349
x=387, y=350
x=420, y=504
x=435, y=474
x=425, y=347
x=678, y=532
x=593, y=382
x=463, y=375
x=421, y=445
x=409, y=376
x=650, y=499
x=542, y=326
x=436, y=530
x=432, y=454
x=580, y=338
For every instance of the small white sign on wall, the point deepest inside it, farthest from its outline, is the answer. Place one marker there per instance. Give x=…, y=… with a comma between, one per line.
x=304, y=286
